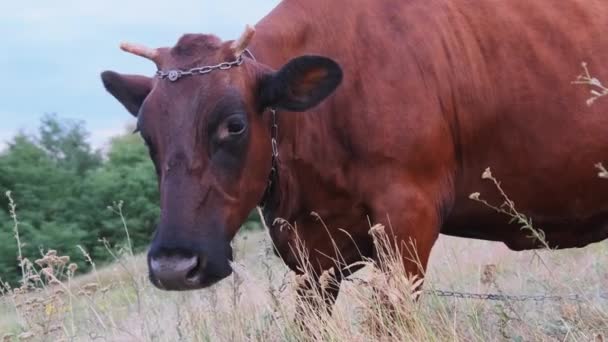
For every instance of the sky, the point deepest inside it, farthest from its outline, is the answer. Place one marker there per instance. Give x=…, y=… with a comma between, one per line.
x=52, y=52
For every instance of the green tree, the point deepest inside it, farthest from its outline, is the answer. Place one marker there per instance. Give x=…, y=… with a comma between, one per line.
x=45, y=191
x=9, y=269
x=66, y=143
x=126, y=177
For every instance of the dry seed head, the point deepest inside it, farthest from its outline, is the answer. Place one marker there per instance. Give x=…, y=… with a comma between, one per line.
x=55, y=328
x=325, y=280
x=49, y=300
x=72, y=267
x=25, y=261
x=603, y=173
x=475, y=196
x=40, y=262
x=54, y=261
x=569, y=312
x=51, y=253
x=64, y=259
x=90, y=287
x=25, y=336
x=34, y=277
x=377, y=230
x=48, y=271
x=487, y=174
x=301, y=280
x=488, y=275
x=54, y=281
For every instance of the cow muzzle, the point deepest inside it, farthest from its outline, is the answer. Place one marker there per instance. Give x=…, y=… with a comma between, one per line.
x=184, y=270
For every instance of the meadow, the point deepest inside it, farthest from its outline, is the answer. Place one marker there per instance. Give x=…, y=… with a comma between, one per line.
x=257, y=303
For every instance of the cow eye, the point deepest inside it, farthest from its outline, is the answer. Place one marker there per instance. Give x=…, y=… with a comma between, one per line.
x=234, y=125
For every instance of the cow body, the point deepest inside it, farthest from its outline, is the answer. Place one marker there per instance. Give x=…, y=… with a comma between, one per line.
x=434, y=92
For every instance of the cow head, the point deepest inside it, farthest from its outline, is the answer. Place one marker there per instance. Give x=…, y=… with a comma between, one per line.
x=210, y=145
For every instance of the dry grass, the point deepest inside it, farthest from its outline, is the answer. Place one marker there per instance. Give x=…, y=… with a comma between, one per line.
x=118, y=304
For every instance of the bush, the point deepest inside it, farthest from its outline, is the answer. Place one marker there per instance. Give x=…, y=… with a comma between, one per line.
x=62, y=187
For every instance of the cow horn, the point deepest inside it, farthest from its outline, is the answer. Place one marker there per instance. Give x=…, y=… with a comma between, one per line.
x=240, y=45
x=140, y=50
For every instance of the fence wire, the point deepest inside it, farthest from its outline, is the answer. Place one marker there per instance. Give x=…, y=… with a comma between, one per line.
x=517, y=298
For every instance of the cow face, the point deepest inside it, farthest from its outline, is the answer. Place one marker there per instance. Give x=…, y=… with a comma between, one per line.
x=211, y=146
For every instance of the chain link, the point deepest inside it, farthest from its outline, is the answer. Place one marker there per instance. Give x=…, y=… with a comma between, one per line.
x=176, y=74
x=513, y=298
x=274, y=133
x=274, y=171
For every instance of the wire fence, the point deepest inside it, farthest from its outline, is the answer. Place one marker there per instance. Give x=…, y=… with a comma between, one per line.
x=518, y=298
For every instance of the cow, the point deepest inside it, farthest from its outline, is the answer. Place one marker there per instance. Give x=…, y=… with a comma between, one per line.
x=378, y=111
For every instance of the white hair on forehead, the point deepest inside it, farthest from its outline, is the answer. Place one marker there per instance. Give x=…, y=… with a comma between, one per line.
x=240, y=45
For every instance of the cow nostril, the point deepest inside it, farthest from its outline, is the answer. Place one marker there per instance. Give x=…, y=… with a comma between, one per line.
x=194, y=274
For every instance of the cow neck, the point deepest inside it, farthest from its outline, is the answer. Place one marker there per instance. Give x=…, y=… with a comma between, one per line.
x=274, y=45
x=270, y=199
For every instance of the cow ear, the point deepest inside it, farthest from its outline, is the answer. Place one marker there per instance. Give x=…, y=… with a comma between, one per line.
x=301, y=84
x=130, y=90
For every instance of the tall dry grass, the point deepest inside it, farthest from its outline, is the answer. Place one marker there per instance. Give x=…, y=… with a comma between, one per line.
x=258, y=303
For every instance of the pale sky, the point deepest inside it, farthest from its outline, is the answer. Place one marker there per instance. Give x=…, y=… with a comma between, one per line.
x=52, y=52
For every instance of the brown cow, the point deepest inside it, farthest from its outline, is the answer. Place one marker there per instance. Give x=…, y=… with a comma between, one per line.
x=432, y=93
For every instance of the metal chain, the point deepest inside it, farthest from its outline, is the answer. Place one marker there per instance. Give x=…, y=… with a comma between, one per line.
x=274, y=171
x=274, y=133
x=512, y=298
x=503, y=297
x=175, y=74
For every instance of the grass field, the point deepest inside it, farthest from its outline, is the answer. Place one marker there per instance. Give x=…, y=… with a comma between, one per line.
x=117, y=303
